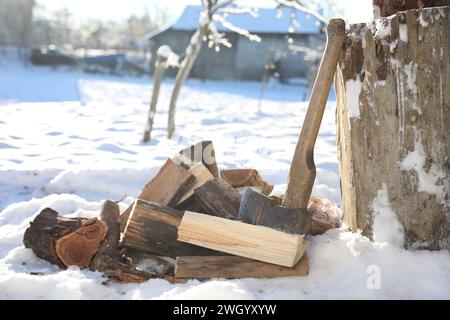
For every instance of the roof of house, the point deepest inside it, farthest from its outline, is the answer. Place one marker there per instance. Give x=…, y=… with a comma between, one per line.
x=275, y=21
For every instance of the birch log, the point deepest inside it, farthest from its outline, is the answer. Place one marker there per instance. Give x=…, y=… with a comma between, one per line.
x=393, y=122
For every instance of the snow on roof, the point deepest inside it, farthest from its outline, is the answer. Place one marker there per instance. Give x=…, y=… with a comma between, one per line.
x=267, y=21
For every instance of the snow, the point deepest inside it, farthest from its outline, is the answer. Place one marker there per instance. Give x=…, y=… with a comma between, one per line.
x=382, y=28
x=386, y=227
x=265, y=21
x=167, y=53
x=403, y=31
x=69, y=141
x=353, y=90
x=430, y=180
x=422, y=21
x=411, y=74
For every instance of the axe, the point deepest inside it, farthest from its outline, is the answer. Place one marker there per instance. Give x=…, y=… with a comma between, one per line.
x=292, y=216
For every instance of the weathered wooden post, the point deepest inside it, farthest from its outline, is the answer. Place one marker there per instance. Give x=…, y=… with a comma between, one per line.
x=393, y=122
x=162, y=62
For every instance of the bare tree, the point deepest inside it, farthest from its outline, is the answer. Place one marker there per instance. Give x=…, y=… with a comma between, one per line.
x=164, y=58
x=213, y=12
x=17, y=18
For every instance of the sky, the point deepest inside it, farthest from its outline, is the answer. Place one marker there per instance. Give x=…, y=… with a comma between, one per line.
x=353, y=10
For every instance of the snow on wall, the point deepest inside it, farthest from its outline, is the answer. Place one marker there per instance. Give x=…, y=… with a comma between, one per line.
x=403, y=31
x=431, y=181
x=386, y=227
x=353, y=88
x=381, y=28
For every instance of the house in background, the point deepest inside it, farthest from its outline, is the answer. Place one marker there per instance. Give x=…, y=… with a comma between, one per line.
x=246, y=60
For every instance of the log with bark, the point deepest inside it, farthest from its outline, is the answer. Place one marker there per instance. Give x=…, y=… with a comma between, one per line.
x=393, y=123
x=233, y=267
x=88, y=243
x=152, y=228
x=44, y=229
x=64, y=241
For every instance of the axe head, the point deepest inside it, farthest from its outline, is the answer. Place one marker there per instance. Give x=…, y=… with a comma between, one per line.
x=259, y=209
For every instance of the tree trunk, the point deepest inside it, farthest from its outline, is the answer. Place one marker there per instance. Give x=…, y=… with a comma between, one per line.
x=192, y=52
x=393, y=122
x=160, y=69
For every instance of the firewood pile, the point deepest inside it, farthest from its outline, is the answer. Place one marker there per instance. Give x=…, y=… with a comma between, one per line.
x=189, y=221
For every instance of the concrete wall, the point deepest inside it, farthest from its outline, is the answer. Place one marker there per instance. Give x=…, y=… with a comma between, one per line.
x=245, y=60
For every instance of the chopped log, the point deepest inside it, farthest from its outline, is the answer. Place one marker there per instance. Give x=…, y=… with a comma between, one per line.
x=44, y=229
x=152, y=228
x=325, y=214
x=110, y=214
x=203, y=152
x=163, y=267
x=219, y=198
x=232, y=267
x=242, y=239
x=48, y=227
x=191, y=204
x=239, y=178
x=259, y=209
x=166, y=188
x=79, y=247
x=202, y=175
x=393, y=123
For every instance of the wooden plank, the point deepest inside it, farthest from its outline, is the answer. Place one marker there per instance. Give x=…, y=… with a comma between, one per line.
x=241, y=239
x=219, y=198
x=240, y=178
x=232, y=267
x=166, y=188
x=203, y=151
x=152, y=228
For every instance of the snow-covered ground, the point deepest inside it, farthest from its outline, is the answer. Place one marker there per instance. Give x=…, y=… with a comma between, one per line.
x=70, y=140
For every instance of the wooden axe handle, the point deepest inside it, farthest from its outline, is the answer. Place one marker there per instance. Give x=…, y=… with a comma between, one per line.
x=303, y=171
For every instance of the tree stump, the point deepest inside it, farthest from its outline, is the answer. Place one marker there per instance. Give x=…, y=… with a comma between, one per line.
x=384, y=8
x=393, y=122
